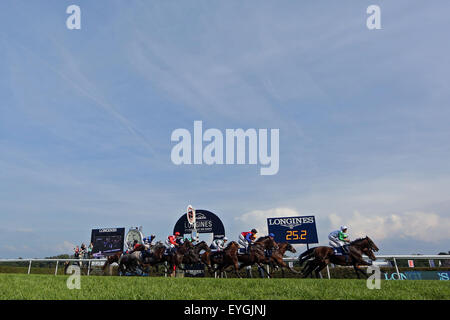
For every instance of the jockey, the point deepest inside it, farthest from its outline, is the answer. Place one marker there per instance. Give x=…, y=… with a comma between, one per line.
x=148, y=242
x=247, y=238
x=173, y=241
x=147, y=246
x=136, y=244
x=218, y=244
x=339, y=239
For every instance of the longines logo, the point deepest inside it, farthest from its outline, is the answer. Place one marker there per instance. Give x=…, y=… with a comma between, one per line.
x=205, y=224
x=200, y=216
x=290, y=223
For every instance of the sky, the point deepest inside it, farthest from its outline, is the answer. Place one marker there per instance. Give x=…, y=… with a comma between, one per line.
x=86, y=118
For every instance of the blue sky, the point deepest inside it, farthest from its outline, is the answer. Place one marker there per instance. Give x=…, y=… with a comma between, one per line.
x=86, y=118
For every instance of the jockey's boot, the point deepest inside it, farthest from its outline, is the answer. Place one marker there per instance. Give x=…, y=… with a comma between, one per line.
x=345, y=249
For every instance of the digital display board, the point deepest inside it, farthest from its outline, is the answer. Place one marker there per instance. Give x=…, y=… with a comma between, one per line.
x=293, y=230
x=107, y=241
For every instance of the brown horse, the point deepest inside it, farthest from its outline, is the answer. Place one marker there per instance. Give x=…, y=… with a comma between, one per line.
x=256, y=254
x=276, y=258
x=226, y=258
x=175, y=259
x=322, y=256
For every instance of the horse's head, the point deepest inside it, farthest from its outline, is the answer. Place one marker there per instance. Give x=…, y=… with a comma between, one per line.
x=187, y=244
x=267, y=242
x=290, y=248
x=202, y=246
x=368, y=252
x=372, y=244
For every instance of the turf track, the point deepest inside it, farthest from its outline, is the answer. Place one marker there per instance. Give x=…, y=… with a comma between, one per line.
x=15, y=286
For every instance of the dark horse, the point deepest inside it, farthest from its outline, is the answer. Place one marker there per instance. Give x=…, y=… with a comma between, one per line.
x=135, y=260
x=224, y=259
x=175, y=258
x=192, y=256
x=256, y=253
x=322, y=256
x=276, y=258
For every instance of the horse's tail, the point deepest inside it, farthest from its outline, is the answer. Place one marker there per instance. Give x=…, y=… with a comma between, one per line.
x=305, y=256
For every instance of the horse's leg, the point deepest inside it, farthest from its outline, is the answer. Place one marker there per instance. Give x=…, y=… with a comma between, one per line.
x=305, y=271
x=357, y=269
x=236, y=269
x=264, y=270
x=261, y=272
x=320, y=268
x=309, y=268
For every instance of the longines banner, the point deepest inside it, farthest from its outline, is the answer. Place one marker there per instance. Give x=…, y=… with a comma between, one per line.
x=418, y=275
x=293, y=229
x=205, y=222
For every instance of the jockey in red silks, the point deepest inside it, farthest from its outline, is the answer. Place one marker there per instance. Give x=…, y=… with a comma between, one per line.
x=173, y=241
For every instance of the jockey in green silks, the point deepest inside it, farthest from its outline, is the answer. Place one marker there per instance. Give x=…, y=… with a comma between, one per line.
x=339, y=238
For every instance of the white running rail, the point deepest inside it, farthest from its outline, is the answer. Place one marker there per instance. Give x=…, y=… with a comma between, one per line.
x=290, y=260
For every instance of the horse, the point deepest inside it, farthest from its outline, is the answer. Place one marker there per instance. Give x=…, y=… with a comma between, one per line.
x=137, y=259
x=156, y=257
x=129, y=262
x=114, y=258
x=193, y=255
x=226, y=258
x=276, y=258
x=176, y=258
x=324, y=255
x=256, y=254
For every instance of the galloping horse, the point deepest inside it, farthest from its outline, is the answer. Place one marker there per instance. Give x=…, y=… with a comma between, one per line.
x=226, y=258
x=276, y=258
x=156, y=257
x=324, y=255
x=193, y=255
x=176, y=259
x=256, y=254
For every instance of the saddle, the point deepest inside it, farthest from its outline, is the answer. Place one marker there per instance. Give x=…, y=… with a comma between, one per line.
x=341, y=251
x=242, y=251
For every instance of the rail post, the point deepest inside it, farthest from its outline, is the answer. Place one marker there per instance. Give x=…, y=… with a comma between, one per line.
x=56, y=268
x=29, y=267
x=328, y=271
x=396, y=268
x=89, y=267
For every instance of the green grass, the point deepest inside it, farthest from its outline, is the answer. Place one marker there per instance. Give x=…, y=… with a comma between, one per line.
x=14, y=286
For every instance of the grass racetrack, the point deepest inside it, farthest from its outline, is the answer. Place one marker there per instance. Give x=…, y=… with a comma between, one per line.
x=18, y=286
